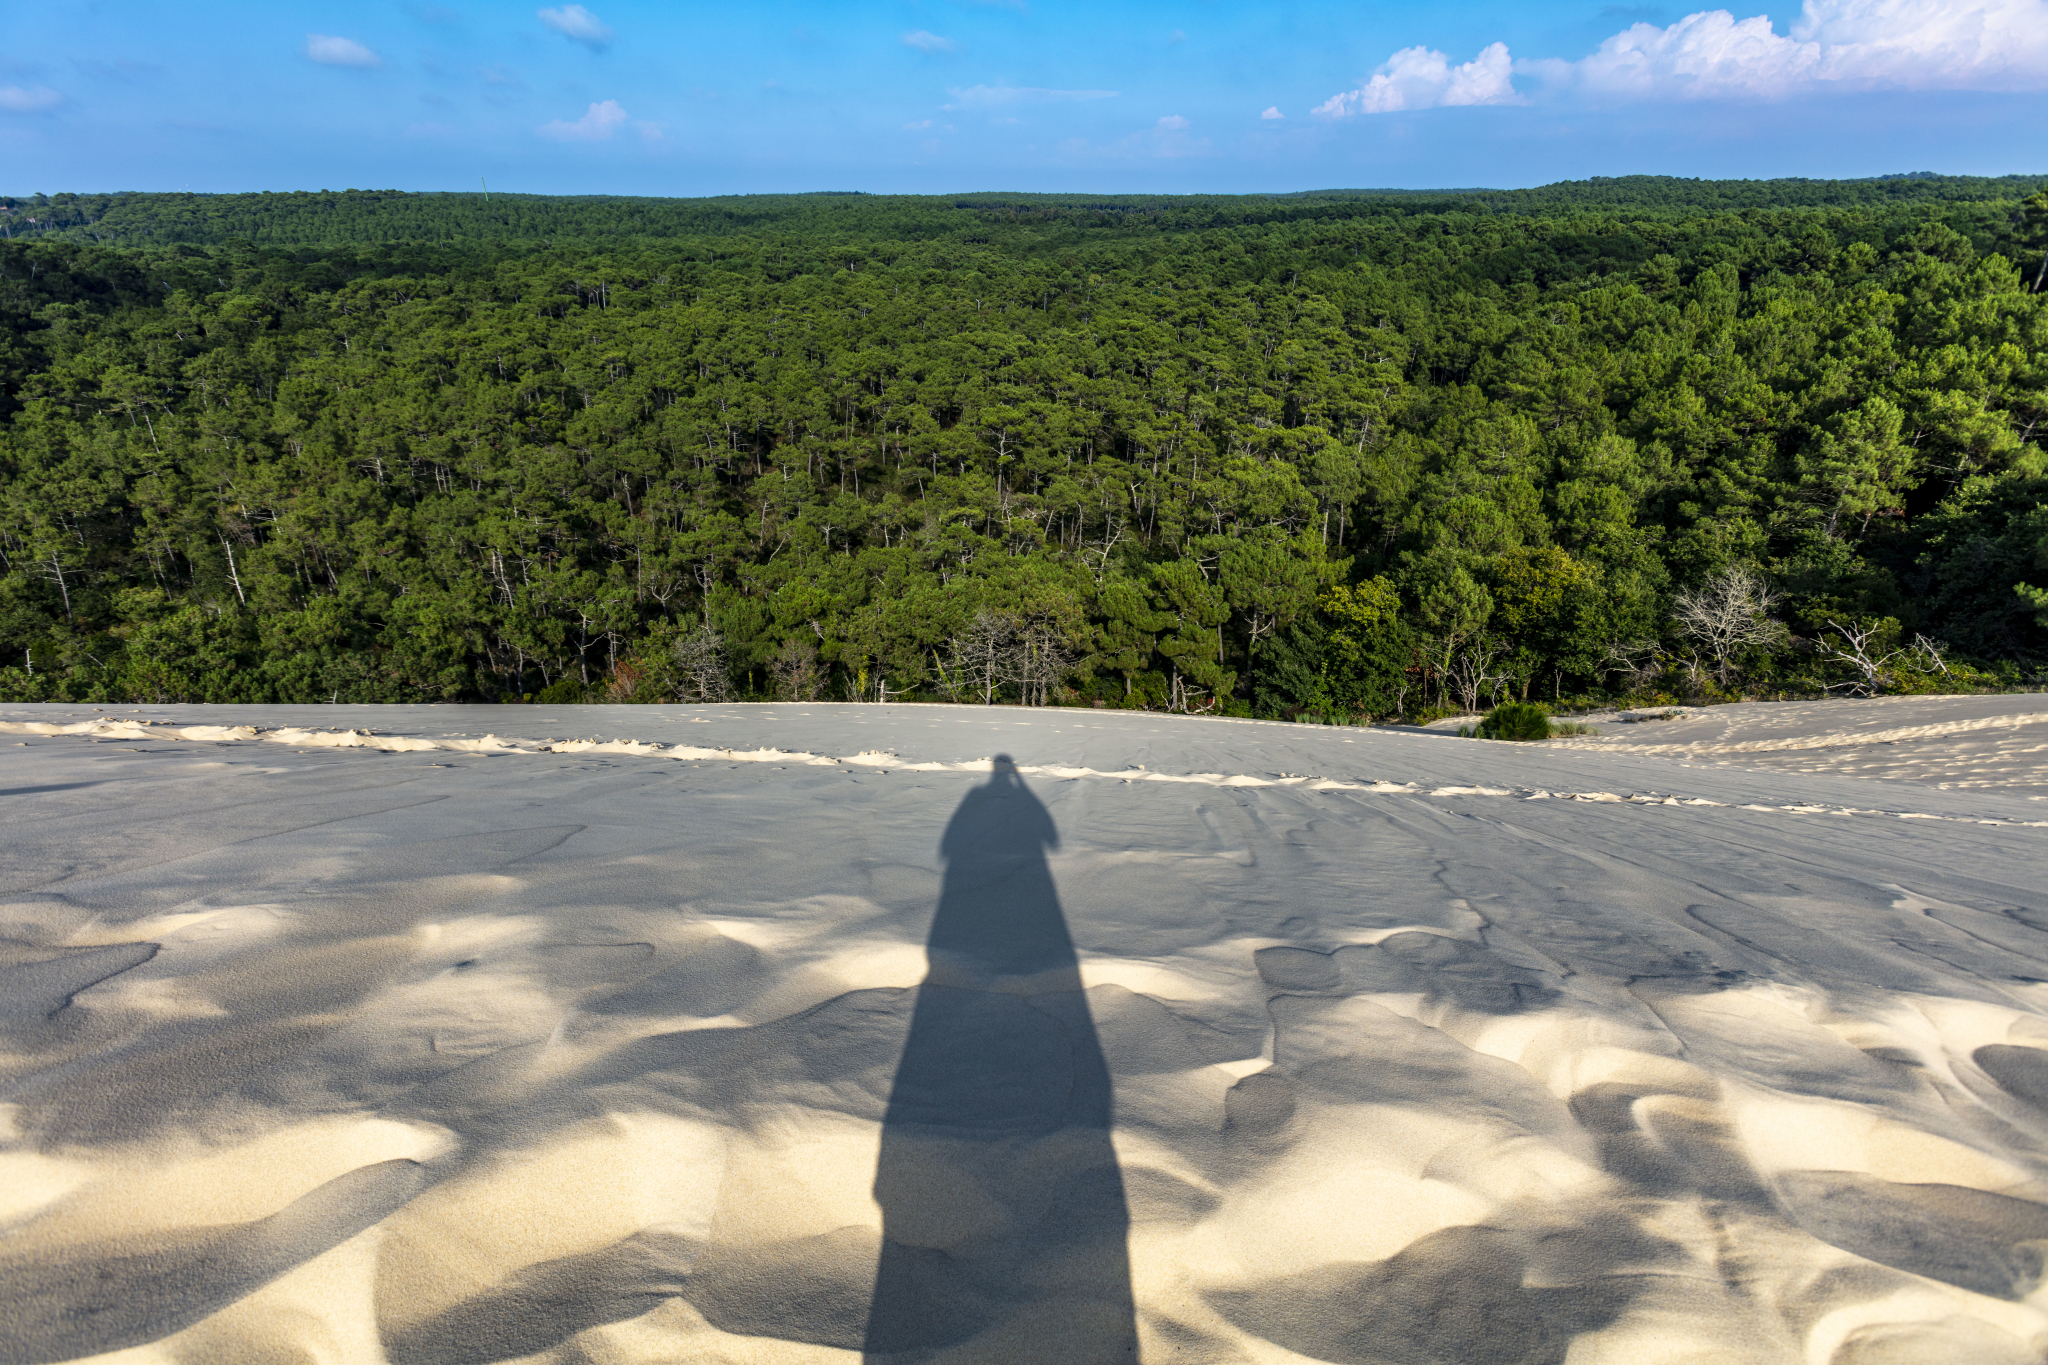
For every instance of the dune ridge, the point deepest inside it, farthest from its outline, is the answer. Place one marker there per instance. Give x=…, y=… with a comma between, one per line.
x=1831, y=740
x=492, y=744
x=1982, y=743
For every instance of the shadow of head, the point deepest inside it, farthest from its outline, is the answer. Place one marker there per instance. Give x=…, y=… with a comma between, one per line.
x=999, y=912
x=1000, y=819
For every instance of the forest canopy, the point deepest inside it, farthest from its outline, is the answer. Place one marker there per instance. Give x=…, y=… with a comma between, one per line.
x=1346, y=454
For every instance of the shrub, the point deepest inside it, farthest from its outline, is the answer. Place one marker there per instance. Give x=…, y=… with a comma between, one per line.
x=561, y=692
x=1516, y=720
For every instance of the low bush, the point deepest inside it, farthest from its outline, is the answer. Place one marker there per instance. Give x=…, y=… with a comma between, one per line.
x=562, y=692
x=1518, y=720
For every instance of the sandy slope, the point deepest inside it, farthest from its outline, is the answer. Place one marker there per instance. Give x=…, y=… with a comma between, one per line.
x=1997, y=743
x=808, y=1034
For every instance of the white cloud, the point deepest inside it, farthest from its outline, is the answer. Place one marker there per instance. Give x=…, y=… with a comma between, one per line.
x=1173, y=123
x=1836, y=44
x=1273, y=111
x=1702, y=54
x=331, y=51
x=1421, y=78
x=929, y=42
x=1002, y=96
x=34, y=100
x=578, y=25
x=599, y=122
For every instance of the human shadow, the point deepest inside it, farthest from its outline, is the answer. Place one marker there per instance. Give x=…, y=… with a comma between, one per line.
x=1003, y=1217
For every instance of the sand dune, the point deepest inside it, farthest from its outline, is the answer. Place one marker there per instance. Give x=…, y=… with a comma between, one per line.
x=1992, y=743
x=820, y=1033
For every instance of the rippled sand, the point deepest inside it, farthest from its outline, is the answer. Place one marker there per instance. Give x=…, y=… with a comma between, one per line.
x=819, y=1033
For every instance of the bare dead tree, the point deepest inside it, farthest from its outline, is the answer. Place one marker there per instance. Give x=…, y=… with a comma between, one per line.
x=1728, y=613
x=1639, y=661
x=705, y=573
x=234, y=572
x=1186, y=697
x=700, y=666
x=1932, y=655
x=1100, y=550
x=981, y=661
x=658, y=587
x=796, y=669
x=1038, y=662
x=1857, y=650
x=506, y=659
x=52, y=568
x=1471, y=671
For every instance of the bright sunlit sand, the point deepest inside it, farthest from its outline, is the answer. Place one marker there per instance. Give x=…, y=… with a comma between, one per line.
x=827, y=1033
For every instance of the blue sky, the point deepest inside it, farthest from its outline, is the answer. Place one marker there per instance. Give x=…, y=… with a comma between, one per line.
x=641, y=97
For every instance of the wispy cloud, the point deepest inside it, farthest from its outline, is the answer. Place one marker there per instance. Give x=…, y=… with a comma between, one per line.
x=500, y=75
x=331, y=51
x=929, y=42
x=578, y=25
x=35, y=99
x=1004, y=96
x=1272, y=111
x=1420, y=78
x=1168, y=138
x=598, y=124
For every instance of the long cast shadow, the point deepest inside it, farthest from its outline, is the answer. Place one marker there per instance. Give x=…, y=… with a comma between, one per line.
x=1003, y=1217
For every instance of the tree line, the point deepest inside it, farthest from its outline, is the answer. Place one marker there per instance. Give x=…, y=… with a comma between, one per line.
x=1338, y=456
x=361, y=216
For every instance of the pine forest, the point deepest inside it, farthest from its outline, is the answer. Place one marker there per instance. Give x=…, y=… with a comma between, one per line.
x=1343, y=456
